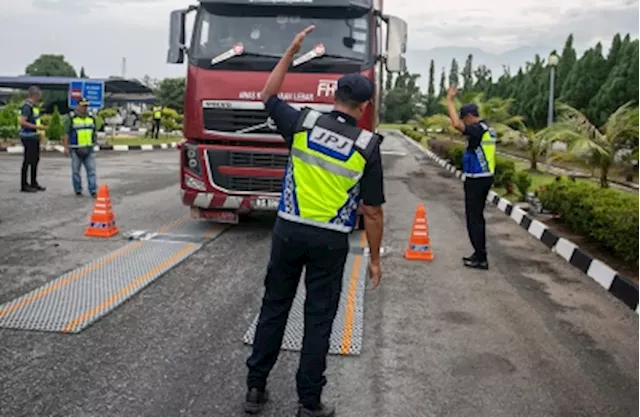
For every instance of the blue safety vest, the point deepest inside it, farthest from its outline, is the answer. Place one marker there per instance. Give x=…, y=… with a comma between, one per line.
x=33, y=119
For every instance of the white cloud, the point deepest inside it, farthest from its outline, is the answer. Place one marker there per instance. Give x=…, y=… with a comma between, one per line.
x=98, y=33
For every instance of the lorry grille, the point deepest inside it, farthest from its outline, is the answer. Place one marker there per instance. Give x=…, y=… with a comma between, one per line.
x=259, y=160
x=232, y=120
x=265, y=185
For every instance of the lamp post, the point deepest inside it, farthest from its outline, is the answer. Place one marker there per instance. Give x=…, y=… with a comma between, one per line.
x=553, y=62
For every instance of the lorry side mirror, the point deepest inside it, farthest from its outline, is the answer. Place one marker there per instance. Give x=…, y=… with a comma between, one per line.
x=177, y=46
x=396, y=44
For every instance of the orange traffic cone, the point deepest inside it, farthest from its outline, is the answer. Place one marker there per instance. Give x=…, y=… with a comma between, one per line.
x=419, y=243
x=103, y=221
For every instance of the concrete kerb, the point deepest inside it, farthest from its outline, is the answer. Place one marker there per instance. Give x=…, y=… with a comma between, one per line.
x=117, y=148
x=619, y=286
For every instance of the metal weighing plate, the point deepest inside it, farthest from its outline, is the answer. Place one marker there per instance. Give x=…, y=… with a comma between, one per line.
x=73, y=301
x=347, y=332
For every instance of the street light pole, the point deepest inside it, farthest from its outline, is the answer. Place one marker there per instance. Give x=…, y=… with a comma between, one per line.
x=553, y=62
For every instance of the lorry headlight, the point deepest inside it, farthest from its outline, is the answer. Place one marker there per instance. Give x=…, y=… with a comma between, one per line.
x=191, y=158
x=194, y=183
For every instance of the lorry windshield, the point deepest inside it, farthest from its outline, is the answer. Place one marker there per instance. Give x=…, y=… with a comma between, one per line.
x=218, y=29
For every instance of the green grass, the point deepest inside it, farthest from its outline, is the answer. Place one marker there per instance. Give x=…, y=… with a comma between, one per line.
x=140, y=140
x=391, y=125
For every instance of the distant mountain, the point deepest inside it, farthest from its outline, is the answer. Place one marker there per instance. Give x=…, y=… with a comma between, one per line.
x=418, y=60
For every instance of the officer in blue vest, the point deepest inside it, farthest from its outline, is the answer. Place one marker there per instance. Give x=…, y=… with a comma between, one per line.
x=333, y=166
x=30, y=133
x=79, y=139
x=478, y=165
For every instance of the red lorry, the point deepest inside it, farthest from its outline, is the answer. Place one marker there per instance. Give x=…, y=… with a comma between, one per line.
x=232, y=158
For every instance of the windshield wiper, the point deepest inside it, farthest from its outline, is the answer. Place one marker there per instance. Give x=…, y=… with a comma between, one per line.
x=238, y=50
x=317, y=52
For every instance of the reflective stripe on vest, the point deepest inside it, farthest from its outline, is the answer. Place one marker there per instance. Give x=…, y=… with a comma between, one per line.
x=321, y=183
x=81, y=131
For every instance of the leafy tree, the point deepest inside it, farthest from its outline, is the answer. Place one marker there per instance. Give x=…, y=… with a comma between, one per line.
x=171, y=93
x=483, y=83
x=51, y=65
x=453, y=73
x=82, y=73
x=585, y=79
x=602, y=144
x=565, y=64
x=9, y=121
x=620, y=86
x=467, y=74
x=400, y=102
x=152, y=83
x=430, y=102
x=55, y=128
x=443, y=88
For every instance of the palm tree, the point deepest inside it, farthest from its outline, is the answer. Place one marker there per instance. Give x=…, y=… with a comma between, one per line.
x=601, y=144
x=496, y=111
x=437, y=121
x=535, y=143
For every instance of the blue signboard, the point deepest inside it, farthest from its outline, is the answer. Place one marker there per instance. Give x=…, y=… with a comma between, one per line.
x=92, y=91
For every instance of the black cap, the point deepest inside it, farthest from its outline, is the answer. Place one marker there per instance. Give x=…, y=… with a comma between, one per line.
x=469, y=110
x=355, y=87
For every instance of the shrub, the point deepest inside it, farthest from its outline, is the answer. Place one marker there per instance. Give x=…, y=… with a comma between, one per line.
x=523, y=183
x=46, y=119
x=502, y=165
x=504, y=178
x=9, y=121
x=413, y=134
x=99, y=122
x=607, y=217
x=55, y=128
x=453, y=153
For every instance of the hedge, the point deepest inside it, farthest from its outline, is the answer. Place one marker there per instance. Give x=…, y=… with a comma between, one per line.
x=412, y=133
x=452, y=151
x=607, y=217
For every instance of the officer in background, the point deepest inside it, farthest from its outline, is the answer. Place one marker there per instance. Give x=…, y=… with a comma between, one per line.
x=157, y=117
x=478, y=165
x=333, y=165
x=31, y=129
x=79, y=138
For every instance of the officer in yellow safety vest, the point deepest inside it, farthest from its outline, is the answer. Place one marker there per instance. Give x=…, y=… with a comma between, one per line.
x=157, y=117
x=31, y=129
x=478, y=165
x=333, y=166
x=79, y=139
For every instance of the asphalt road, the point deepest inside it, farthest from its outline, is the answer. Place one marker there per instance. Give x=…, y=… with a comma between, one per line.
x=531, y=337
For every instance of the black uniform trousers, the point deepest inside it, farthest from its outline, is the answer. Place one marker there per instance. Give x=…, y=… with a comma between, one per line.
x=324, y=261
x=30, y=159
x=476, y=191
x=155, y=129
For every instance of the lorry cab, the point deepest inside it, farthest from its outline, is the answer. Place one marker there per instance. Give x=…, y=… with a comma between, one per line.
x=232, y=157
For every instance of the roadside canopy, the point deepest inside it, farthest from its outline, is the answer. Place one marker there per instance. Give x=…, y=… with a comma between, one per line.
x=112, y=85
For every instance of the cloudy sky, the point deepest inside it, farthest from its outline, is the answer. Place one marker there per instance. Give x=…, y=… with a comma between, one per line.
x=96, y=34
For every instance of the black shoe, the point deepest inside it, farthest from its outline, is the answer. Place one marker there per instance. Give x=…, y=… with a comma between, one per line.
x=477, y=264
x=38, y=187
x=255, y=401
x=469, y=258
x=79, y=194
x=94, y=195
x=28, y=189
x=322, y=410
